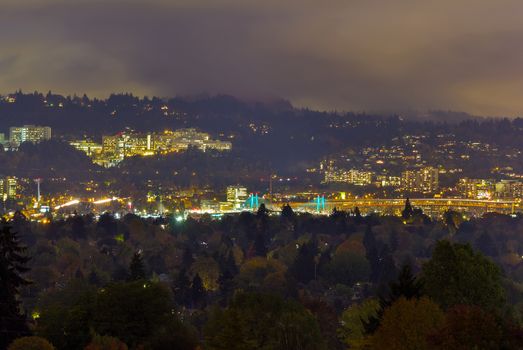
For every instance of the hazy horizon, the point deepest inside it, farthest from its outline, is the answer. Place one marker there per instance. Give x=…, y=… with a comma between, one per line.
x=371, y=56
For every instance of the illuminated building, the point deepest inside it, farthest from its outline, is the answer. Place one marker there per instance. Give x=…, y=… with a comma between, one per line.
x=126, y=144
x=182, y=139
x=352, y=176
x=509, y=189
x=209, y=206
x=216, y=145
x=424, y=180
x=29, y=133
x=3, y=141
x=117, y=147
x=387, y=181
x=8, y=187
x=89, y=147
x=476, y=188
x=237, y=195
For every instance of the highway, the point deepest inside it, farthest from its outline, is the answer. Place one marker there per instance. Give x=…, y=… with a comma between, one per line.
x=430, y=206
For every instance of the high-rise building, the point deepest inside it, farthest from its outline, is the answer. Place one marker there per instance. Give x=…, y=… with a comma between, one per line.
x=424, y=180
x=387, y=181
x=8, y=187
x=476, y=188
x=509, y=189
x=29, y=133
x=352, y=176
x=237, y=195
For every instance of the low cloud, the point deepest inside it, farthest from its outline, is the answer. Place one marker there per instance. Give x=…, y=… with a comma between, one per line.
x=347, y=55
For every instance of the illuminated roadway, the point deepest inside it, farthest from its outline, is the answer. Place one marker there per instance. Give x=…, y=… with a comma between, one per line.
x=394, y=206
x=431, y=206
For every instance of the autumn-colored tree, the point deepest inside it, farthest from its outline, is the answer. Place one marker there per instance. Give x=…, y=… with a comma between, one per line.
x=407, y=324
x=208, y=270
x=106, y=343
x=30, y=343
x=468, y=327
x=353, y=320
x=255, y=272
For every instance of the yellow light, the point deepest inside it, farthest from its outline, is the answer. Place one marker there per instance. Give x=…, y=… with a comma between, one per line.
x=73, y=202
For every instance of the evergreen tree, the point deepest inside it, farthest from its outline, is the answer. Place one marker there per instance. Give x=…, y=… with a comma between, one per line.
x=405, y=286
x=407, y=211
x=228, y=270
x=394, y=240
x=371, y=252
x=187, y=258
x=385, y=268
x=229, y=265
x=182, y=289
x=93, y=278
x=357, y=214
x=260, y=249
x=198, y=292
x=287, y=212
x=78, y=227
x=12, y=265
x=304, y=267
x=262, y=211
x=137, y=268
x=263, y=219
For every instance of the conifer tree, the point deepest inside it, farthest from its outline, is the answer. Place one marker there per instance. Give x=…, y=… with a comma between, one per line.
x=304, y=267
x=198, y=292
x=287, y=212
x=137, y=267
x=182, y=288
x=12, y=266
x=407, y=211
x=357, y=214
x=405, y=286
x=187, y=258
x=260, y=248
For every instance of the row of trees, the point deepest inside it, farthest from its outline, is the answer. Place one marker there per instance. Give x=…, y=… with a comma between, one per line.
x=259, y=281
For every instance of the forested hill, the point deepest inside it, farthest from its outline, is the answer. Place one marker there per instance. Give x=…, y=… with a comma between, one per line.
x=272, y=131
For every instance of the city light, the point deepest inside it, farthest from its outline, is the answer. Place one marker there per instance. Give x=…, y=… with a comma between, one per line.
x=105, y=200
x=73, y=202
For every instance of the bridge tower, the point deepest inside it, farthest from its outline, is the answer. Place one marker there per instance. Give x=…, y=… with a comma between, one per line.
x=320, y=203
x=253, y=201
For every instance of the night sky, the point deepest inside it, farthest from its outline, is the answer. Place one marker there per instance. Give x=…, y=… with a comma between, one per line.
x=371, y=55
